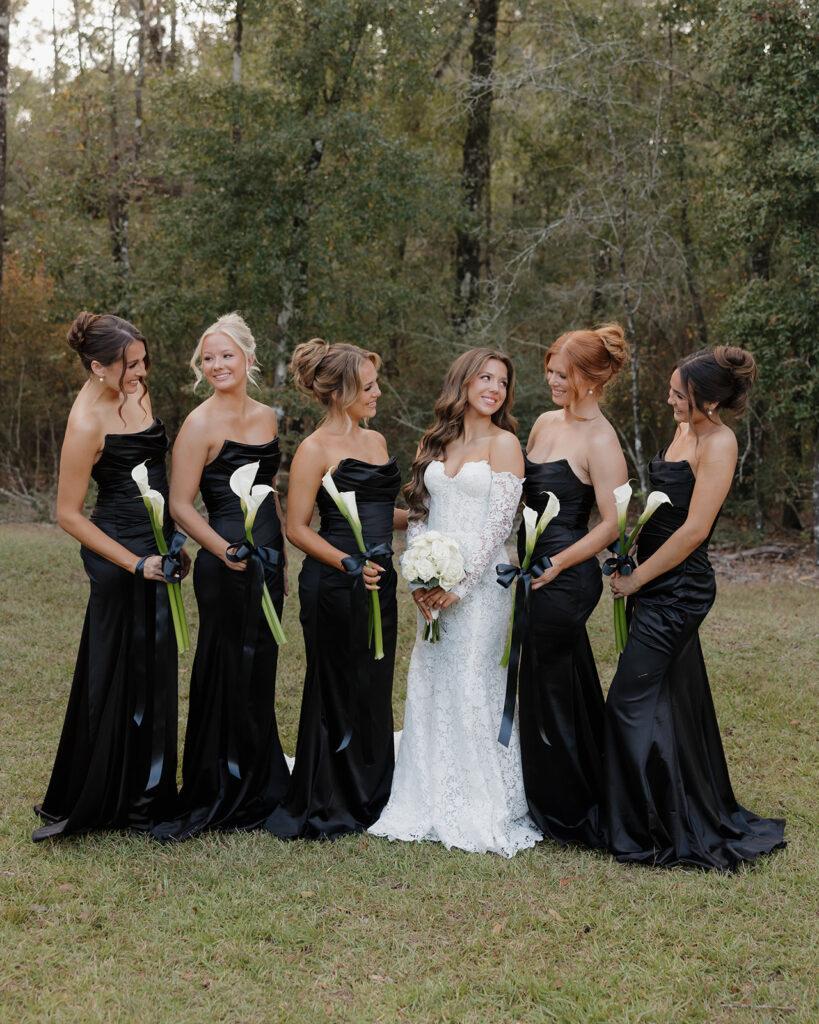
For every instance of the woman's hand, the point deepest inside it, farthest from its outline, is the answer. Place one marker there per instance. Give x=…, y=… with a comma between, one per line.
x=418, y=596
x=437, y=599
x=372, y=575
x=236, y=566
x=151, y=568
x=624, y=586
x=551, y=574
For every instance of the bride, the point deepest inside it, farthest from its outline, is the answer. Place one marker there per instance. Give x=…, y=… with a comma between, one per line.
x=453, y=781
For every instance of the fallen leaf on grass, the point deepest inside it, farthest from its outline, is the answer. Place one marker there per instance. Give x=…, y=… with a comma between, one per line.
x=554, y=914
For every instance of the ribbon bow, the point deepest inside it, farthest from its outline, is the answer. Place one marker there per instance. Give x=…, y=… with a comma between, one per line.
x=624, y=564
x=171, y=563
x=354, y=564
x=506, y=576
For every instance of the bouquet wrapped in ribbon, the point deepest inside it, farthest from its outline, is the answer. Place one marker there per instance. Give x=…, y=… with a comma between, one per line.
x=251, y=497
x=345, y=502
x=507, y=574
x=171, y=567
x=433, y=560
x=622, y=561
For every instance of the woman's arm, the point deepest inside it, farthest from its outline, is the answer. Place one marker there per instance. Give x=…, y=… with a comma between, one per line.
x=82, y=442
x=607, y=469
x=190, y=453
x=715, y=471
x=306, y=471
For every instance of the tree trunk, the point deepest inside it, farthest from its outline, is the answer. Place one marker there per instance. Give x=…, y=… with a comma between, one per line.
x=4, y=97
x=471, y=256
x=816, y=496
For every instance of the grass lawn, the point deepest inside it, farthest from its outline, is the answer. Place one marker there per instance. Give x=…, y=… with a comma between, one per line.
x=246, y=928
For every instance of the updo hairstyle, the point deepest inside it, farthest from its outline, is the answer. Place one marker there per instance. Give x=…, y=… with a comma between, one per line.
x=596, y=355
x=724, y=375
x=234, y=326
x=330, y=373
x=104, y=337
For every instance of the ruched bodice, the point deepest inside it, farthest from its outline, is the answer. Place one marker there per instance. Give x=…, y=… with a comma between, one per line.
x=114, y=512
x=676, y=479
x=223, y=505
x=576, y=501
x=375, y=487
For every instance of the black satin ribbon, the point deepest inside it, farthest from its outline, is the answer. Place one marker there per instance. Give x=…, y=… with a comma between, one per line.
x=359, y=648
x=171, y=562
x=506, y=576
x=157, y=654
x=624, y=564
x=258, y=559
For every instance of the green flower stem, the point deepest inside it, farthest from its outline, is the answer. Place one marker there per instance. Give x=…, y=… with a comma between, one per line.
x=267, y=601
x=180, y=623
x=375, y=630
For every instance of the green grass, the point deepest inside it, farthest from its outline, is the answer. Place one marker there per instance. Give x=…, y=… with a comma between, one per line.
x=246, y=928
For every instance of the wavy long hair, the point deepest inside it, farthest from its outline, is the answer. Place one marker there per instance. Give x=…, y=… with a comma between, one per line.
x=449, y=412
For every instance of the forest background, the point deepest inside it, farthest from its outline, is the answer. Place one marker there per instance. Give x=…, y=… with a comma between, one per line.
x=421, y=178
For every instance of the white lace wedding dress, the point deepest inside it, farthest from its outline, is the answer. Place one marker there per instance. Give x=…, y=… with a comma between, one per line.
x=453, y=781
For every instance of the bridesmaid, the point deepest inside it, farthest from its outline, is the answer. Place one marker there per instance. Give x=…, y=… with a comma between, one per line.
x=233, y=770
x=670, y=799
x=344, y=751
x=573, y=452
x=116, y=761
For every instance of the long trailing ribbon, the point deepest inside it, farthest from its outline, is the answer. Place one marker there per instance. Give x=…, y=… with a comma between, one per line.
x=354, y=565
x=171, y=562
x=258, y=559
x=506, y=576
x=159, y=651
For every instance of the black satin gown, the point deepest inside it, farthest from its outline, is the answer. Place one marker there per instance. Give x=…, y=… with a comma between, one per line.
x=233, y=769
x=335, y=792
x=116, y=761
x=560, y=696
x=670, y=799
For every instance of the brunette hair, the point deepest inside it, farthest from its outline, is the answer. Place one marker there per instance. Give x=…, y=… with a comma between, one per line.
x=724, y=375
x=330, y=373
x=449, y=419
x=103, y=337
x=598, y=355
x=234, y=326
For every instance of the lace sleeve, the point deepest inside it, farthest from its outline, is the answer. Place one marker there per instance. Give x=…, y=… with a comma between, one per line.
x=504, y=498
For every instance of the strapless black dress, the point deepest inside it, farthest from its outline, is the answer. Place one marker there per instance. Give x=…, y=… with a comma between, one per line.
x=560, y=696
x=669, y=795
x=116, y=761
x=233, y=769
x=335, y=792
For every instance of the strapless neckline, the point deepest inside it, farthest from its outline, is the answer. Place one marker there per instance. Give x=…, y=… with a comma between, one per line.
x=156, y=422
x=556, y=462
x=469, y=462
x=361, y=462
x=241, y=444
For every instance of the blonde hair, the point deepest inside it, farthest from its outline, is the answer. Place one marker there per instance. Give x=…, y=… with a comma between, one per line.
x=330, y=373
x=596, y=355
x=234, y=326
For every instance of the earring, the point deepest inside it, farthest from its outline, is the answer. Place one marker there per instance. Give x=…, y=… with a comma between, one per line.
x=710, y=412
x=101, y=379
x=591, y=391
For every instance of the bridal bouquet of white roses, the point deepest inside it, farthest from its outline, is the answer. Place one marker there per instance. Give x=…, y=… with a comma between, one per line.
x=433, y=560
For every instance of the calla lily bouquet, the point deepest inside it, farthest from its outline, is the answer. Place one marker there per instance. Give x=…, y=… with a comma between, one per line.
x=622, y=563
x=534, y=527
x=251, y=497
x=345, y=502
x=155, y=504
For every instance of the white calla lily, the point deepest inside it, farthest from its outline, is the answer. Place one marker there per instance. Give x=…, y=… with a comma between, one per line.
x=622, y=497
x=241, y=479
x=348, y=497
x=530, y=524
x=156, y=501
x=552, y=509
x=139, y=474
x=653, y=502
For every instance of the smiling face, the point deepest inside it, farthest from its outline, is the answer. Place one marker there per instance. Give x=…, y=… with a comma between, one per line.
x=678, y=400
x=486, y=393
x=223, y=362
x=135, y=360
x=557, y=377
x=364, y=405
